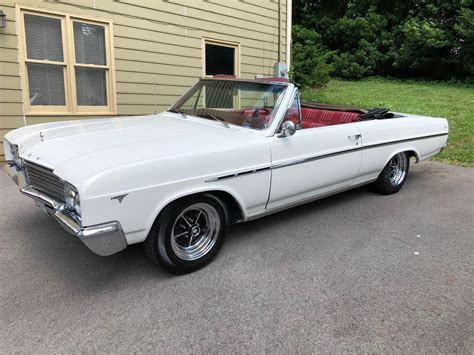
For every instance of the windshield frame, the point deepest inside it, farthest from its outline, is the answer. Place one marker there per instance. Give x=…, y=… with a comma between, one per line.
x=282, y=106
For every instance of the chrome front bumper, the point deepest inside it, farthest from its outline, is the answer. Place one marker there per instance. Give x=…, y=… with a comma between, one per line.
x=102, y=239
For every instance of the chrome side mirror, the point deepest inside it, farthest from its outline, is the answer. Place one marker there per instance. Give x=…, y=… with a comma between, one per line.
x=288, y=128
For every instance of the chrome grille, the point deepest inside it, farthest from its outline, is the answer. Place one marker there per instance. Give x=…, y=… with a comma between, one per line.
x=44, y=180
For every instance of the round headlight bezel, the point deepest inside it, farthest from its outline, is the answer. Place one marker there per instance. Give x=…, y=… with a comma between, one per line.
x=15, y=151
x=77, y=204
x=71, y=197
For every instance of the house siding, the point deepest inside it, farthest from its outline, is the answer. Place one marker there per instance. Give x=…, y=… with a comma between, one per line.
x=158, y=48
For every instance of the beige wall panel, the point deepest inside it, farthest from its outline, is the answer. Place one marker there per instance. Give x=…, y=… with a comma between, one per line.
x=138, y=44
x=264, y=7
x=11, y=121
x=10, y=69
x=8, y=8
x=170, y=59
x=10, y=96
x=156, y=68
x=222, y=8
x=11, y=108
x=207, y=23
x=8, y=55
x=200, y=11
x=8, y=3
x=10, y=82
x=150, y=34
x=10, y=29
x=8, y=41
x=150, y=89
x=152, y=79
x=150, y=100
x=184, y=15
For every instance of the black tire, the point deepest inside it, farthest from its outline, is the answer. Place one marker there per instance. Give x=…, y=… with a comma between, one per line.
x=387, y=183
x=166, y=247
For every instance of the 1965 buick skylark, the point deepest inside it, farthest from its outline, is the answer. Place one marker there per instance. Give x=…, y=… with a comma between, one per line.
x=228, y=151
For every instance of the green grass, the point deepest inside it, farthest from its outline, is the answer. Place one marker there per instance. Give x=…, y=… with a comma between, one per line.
x=452, y=101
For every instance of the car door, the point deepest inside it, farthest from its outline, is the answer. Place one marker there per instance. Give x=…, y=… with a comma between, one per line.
x=313, y=162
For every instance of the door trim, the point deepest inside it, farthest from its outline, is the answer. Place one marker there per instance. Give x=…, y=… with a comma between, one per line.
x=318, y=157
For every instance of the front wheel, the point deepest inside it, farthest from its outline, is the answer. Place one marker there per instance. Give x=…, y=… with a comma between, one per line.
x=188, y=234
x=394, y=175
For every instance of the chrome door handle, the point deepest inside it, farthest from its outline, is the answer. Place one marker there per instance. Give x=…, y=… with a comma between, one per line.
x=355, y=136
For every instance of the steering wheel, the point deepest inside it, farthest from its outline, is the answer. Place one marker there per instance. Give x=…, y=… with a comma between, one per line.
x=257, y=111
x=255, y=121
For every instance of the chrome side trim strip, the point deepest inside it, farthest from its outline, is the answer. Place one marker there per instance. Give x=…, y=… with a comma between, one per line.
x=404, y=140
x=346, y=151
x=241, y=173
x=322, y=156
x=315, y=157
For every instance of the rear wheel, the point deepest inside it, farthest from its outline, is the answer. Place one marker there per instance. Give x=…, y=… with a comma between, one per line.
x=188, y=233
x=393, y=176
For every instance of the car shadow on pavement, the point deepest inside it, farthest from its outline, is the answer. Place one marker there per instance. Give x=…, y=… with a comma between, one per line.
x=56, y=252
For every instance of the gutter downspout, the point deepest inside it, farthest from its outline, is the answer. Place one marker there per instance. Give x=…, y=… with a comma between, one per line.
x=279, y=31
x=289, y=21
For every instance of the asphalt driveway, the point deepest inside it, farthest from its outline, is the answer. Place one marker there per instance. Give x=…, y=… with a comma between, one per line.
x=353, y=272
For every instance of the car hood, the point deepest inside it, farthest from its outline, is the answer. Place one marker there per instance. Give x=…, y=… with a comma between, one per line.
x=76, y=150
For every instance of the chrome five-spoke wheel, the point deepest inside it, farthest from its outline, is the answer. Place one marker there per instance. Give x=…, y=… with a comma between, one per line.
x=394, y=174
x=398, y=168
x=188, y=233
x=195, y=231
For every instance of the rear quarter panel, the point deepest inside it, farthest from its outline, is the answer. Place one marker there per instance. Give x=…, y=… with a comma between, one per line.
x=382, y=139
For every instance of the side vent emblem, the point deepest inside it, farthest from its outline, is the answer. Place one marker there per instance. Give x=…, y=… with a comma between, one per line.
x=119, y=198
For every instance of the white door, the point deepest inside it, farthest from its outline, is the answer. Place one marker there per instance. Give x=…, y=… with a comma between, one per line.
x=314, y=162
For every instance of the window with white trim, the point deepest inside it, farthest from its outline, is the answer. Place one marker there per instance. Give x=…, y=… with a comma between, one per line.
x=221, y=58
x=67, y=64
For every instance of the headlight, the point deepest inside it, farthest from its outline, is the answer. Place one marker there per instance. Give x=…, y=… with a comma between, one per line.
x=71, y=197
x=77, y=204
x=16, y=155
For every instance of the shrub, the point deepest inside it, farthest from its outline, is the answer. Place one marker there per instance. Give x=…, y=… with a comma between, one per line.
x=310, y=68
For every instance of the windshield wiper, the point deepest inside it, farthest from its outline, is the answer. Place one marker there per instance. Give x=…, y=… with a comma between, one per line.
x=215, y=118
x=173, y=110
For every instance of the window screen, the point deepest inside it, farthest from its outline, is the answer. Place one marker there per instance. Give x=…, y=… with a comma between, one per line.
x=220, y=60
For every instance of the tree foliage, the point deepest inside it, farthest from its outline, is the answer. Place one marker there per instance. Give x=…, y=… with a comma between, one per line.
x=404, y=38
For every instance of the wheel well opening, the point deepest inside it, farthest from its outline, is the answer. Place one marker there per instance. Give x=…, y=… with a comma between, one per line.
x=233, y=207
x=413, y=154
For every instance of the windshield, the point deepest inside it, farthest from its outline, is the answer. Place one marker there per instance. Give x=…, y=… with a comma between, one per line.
x=241, y=103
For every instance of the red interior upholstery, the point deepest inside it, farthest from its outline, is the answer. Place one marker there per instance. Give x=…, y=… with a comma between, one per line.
x=315, y=117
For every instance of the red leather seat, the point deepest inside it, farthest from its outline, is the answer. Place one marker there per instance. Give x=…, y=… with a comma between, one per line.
x=315, y=117
x=308, y=124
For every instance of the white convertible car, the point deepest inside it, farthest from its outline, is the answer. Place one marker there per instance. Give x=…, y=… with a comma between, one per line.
x=228, y=151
